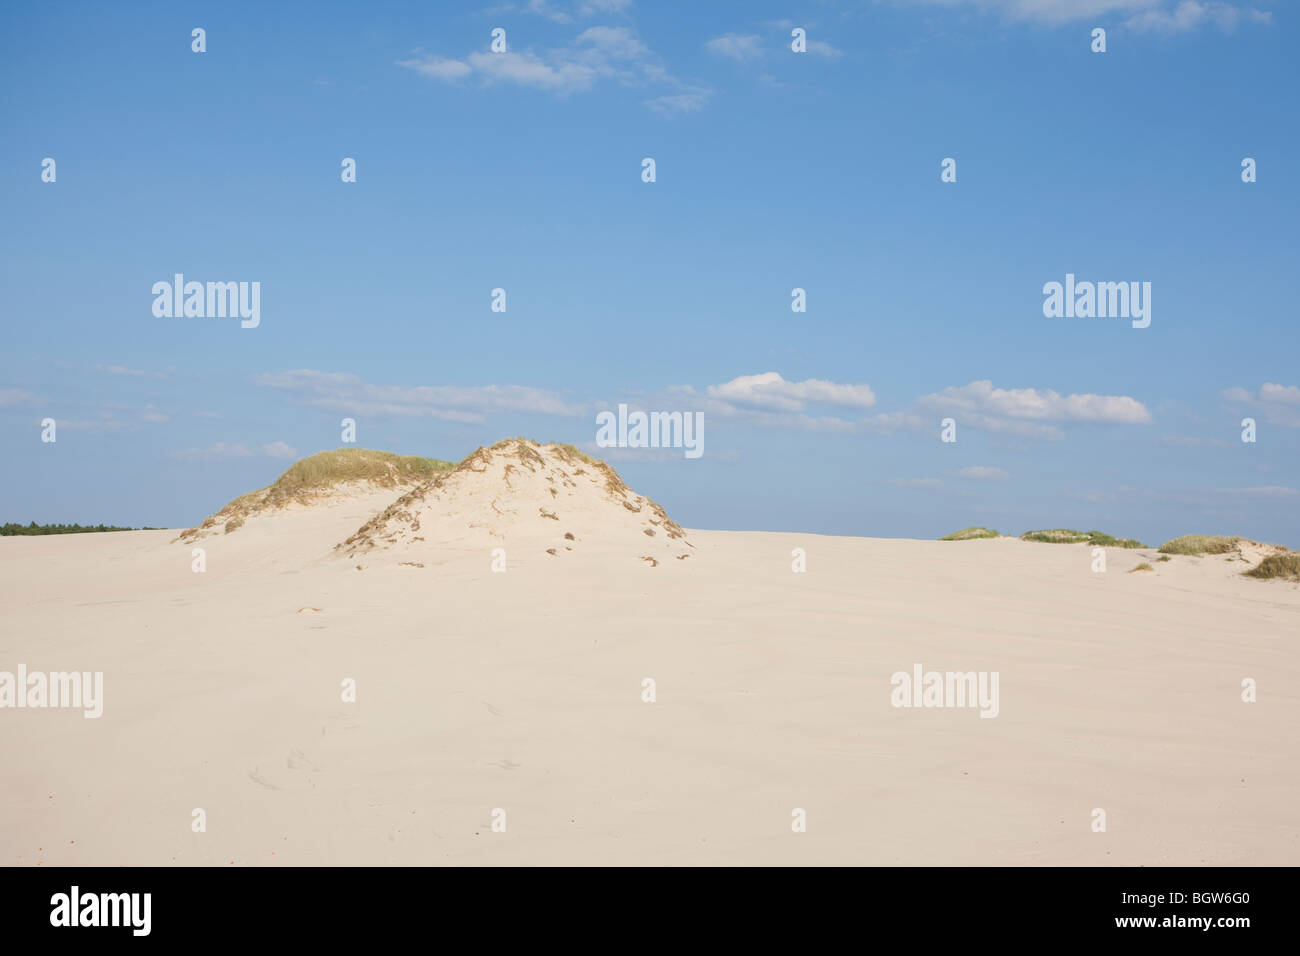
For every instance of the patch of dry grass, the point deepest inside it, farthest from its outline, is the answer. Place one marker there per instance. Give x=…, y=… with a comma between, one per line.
x=1285, y=565
x=1200, y=544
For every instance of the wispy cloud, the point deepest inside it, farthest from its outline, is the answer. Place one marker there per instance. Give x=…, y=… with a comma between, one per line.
x=741, y=47
x=1264, y=491
x=16, y=397
x=1276, y=404
x=1030, y=412
x=1191, y=14
x=597, y=54
x=222, y=451
x=1168, y=16
x=769, y=400
x=919, y=484
x=822, y=48
x=770, y=390
x=562, y=12
x=345, y=392
x=983, y=473
x=678, y=103
x=131, y=372
x=1193, y=441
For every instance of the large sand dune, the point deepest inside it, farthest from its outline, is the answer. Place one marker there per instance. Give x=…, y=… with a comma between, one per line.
x=523, y=690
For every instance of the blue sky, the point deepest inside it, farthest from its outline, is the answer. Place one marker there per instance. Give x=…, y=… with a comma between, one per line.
x=774, y=170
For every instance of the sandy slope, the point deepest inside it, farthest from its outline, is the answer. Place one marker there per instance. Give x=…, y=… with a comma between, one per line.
x=521, y=690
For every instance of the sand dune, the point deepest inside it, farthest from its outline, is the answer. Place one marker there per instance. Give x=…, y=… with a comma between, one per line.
x=523, y=691
x=548, y=497
x=326, y=480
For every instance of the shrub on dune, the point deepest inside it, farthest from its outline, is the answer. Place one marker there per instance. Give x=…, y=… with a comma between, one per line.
x=968, y=534
x=1070, y=536
x=1200, y=544
x=1285, y=566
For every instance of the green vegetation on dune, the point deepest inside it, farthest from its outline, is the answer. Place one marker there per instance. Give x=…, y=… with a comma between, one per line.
x=1285, y=566
x=329, y=468
x=1200, y=544
x=970, y=534
x=11, y=529
x=311, y=477
x=1070, y=536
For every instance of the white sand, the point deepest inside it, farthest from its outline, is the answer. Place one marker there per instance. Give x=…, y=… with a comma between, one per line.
x=522, y=691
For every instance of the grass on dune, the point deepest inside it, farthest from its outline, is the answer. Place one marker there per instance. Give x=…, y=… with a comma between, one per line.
x=1285, y=566
x=969, y=534
x=329, y=468
x=1200, y=544
x=319, y=473
x=1070, y=536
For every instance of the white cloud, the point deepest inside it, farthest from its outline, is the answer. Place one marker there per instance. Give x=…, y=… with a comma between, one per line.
x=822, y=48
x=1190, y=14
x=132, y=372
x=563, y=75
x=1280, y=394
x=279, y=449
x=769, y=390
x=1277, y=404
x=1026, y=411
x=215, y=452
x=438, y=67
x=1192, y=441
x=921, y=484
x=741, y=47
x=597, y=54
x=769, y=400
x=221, y=451
x=1265, y=491
x=616, y=42
x=13, y=397
x=679, y=103
x=344, y=392
x=561, y=12
x=1156, y=15
x=984, y=473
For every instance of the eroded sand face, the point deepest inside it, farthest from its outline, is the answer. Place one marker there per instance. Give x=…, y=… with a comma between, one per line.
x=523, y=691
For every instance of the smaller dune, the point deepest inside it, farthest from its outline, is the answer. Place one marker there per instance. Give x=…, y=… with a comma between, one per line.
x=324, y=476
x=970, y=534
x=1070, y=536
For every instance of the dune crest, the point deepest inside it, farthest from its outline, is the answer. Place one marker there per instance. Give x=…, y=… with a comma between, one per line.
x=552, y=497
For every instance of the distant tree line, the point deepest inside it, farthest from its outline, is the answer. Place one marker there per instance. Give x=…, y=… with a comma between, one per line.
x=11, y=528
